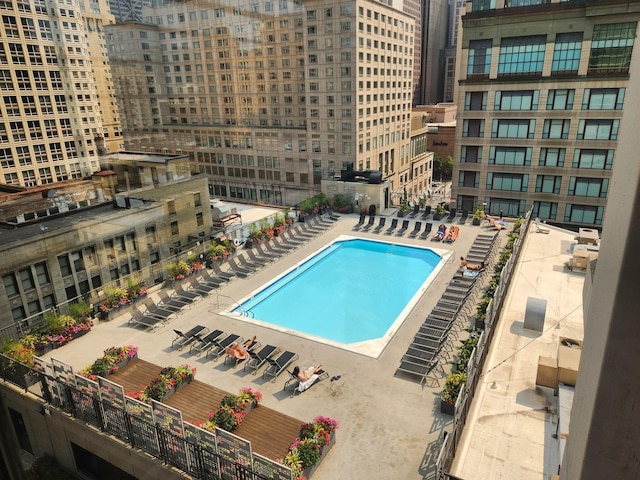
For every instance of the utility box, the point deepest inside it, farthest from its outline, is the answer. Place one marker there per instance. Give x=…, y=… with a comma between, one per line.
x=569, y=352
x=547, y=375
x=535, y=313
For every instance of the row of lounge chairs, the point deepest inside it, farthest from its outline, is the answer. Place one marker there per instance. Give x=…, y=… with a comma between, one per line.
x=215, y=343
x=450, y=218
x=442, y=234
x=432, y=342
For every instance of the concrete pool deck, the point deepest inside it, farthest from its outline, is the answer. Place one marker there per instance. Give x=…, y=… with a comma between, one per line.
x=390, y=427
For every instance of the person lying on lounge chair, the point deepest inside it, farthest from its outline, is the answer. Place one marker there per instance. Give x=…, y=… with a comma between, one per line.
x=307, y=377
x=478, y=267
x=240, y=352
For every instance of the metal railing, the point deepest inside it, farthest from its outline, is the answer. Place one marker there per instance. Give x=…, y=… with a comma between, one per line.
x=193, y=458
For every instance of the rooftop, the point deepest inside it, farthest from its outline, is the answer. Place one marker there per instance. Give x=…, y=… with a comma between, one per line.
x=390, y=427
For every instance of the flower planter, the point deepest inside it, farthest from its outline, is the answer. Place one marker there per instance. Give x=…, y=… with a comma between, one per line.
x=126, y=361
x=437, y=216
x=476, y=221
x=401, y=214
x=480, y=323
x=447, y=408
x=250, y=406
x=309, y=471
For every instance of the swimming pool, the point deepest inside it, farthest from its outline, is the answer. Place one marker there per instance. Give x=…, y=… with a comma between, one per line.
x=354, y=293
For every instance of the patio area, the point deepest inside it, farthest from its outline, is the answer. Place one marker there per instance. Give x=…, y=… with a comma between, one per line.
x=390, y=426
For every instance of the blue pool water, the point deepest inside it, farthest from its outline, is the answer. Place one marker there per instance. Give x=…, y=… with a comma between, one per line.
x=351, y=291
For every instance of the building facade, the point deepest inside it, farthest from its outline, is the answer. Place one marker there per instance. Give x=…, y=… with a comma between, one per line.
x=269, y=98
x=58, y=106
x=540, y=110
x=55, y=256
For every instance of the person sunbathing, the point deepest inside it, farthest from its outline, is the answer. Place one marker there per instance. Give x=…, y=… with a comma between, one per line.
x=241, y=352
x=307, y=374
x=477, y=268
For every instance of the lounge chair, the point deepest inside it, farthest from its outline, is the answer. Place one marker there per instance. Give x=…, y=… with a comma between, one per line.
x=318, y=222
x=260, y=358
x=184, y=339
x=211, y=280
x=244, y=263
x=310, y=227
x=452, y=235
x=392, y=227
x=140, y=319
x=219, y=347
x=240, y=271
x=539, y=227
x=236, y=360
x=416, y=210
x=441, y=233
x=416, y=230
x=404, y=228
x=360, y=222
x=277, y=366
x=424, y=369
x=426, y=213
x=495, y=224
x=282, y=245
x=380, y=225
x=193, y=296
x=261, y=260
x=156, y=311
x=297, y=386
x=452, y=215
x=200, y=288
x=369, y=224
x=275, y=251
x=204, y=343
x=427, y=230
x=219, y=273
x=291, y=239
x=300, y=233
x=174, y=304
x=464, y=216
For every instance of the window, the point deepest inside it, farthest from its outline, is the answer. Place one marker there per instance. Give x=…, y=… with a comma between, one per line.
x=594, y=159
x=26, y=278
x=479, y=57
x=196, y=200
x=42, y=274
x=603, y=98
x=469, y=179
x=10, y=285
x=174, y=229
x=517, y=100
x=566, y=52
x=548, y=184
x=510, y=155
x=521, y=55
x=598, y=129
x=611, y=46
x=585, y=214
x=556, y=128
x=473, y=128
x=507, y=181
x=475, y=101
x=561, y=99
x=588, y=187
x=513, y=128
x=545, y=210
x=552, y=157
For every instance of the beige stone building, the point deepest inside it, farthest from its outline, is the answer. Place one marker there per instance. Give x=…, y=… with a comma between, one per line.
x=57, y=110
x=540, y=109
x=269, y=98
x=73, y=245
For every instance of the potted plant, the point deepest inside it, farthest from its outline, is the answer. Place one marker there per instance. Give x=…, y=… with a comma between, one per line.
x=439, y=212
x=478, y=216
x=404, y=208
x=248, y=399
x=452, y=387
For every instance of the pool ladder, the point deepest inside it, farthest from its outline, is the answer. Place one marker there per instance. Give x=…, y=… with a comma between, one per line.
x=245, y=313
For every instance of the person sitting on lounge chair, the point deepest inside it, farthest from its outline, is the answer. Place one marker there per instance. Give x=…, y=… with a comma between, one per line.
x=307, y=377
x=241, y=352
x=463, y=265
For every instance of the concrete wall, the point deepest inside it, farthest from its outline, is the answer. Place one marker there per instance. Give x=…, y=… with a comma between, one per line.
x=605, y=423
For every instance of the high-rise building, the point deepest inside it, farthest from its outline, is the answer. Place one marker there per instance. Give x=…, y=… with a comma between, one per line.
x=269, y=97
x=58, y=106
x=451, y=51
x=434, y=28
x=128, y=10
x=540, y=105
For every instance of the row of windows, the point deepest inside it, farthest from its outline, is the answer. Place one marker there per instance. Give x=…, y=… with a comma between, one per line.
x=591, y=129
x=611, y=49
x=595, y=159
x=557, y=99
x=516, y=182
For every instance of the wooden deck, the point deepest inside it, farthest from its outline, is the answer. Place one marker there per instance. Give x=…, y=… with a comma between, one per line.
x=269, y=431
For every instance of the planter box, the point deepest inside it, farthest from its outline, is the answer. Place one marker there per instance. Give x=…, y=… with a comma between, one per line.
x=476, y=221
x=401, y=214
x=447, y=408
x=307, y=472
x=479, y=323
x=437, y=216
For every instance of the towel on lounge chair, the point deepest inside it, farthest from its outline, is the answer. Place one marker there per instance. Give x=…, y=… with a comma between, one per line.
x=302, y=386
